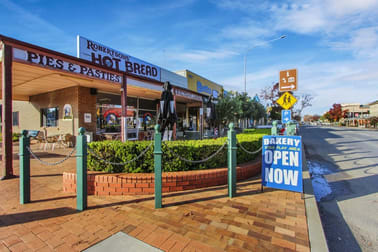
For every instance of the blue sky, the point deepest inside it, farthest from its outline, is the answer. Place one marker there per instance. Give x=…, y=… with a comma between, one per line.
x=332, y=43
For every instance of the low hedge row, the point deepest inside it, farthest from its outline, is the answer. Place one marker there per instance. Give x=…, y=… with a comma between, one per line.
x=258, y=131
x=119, y=152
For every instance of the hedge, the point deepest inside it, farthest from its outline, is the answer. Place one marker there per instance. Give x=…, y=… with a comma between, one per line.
x=15, y=137
x=259, y=131
x=119, y=152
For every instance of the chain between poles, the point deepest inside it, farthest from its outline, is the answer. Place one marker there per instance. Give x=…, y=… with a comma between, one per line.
x=249, y=152
x=48, y=163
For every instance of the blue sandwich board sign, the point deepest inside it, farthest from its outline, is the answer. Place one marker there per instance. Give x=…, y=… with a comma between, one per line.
x=285, y=116
x=282, y=162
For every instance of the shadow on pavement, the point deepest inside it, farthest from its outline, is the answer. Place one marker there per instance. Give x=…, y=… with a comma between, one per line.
x=337, y=231
x=19, y=218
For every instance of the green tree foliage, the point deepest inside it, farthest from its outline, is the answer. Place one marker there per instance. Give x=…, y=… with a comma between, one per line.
x=238, y=106
x=336, y=112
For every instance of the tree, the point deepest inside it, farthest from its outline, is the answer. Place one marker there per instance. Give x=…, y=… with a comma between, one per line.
x=374, y=121
x=335, y=112
x=238, y=106
x=303, y=102
x=326, y=117
x=315, y=118
x=225, y=109
x=270, y=95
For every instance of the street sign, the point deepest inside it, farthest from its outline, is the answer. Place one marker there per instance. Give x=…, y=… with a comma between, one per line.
x=288, y=80
x=285, y=116
x=286, y=100
x=282, y=162
x=256, y=98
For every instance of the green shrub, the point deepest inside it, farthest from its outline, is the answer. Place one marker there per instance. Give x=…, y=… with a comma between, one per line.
x=15, y=137
x=257, y=131
x=119, y=152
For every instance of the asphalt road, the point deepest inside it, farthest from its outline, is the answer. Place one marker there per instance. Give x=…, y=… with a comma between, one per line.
x=349, y=212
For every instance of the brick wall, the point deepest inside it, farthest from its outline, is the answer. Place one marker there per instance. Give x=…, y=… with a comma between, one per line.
x=86, y=104
x=57, y=99
x=81, y=101
x=143, y=183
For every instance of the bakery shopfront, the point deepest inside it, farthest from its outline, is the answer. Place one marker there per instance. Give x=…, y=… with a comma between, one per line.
x=113, y=96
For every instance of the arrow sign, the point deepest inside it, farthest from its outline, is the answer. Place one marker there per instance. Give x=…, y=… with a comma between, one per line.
x=288, y=80
x=291, y=87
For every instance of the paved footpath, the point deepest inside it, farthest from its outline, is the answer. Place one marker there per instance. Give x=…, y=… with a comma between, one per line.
x=197, y=220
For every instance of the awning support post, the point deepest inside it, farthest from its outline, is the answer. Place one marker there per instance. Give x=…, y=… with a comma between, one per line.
x=7, y=150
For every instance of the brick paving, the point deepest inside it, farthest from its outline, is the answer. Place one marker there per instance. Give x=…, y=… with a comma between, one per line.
x=197, y=220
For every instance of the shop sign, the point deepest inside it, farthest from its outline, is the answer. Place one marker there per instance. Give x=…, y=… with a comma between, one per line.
x=108, y=57
x=67, y=110
x=186, y=94
x=203, y=88
x=58, y=64
x=282, y=162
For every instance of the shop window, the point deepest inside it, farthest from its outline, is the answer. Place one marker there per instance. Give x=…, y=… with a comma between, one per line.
x=49, y=117
x=147, y=104
x=132, y=102
x=15, y=118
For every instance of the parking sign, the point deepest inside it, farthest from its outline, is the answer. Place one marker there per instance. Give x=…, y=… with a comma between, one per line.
x=285, y=116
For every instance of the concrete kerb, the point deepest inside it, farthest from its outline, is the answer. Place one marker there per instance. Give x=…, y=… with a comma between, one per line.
x=316, y=234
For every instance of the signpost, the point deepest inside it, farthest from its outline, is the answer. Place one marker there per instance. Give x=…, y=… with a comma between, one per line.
x=285, y=116
x=287, y=100
x=282, y=162
x=288, y=80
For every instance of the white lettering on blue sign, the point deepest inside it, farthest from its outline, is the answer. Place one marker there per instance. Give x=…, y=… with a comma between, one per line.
x=282, y=162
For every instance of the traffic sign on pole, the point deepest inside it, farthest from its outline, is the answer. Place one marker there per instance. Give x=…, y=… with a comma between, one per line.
x=288, y=80
x=287, y=100
x=285, y=116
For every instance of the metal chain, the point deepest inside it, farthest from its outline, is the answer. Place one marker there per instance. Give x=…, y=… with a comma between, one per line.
x=196, y=161
x=48, y=163
x=249, y=152
x=124, y=163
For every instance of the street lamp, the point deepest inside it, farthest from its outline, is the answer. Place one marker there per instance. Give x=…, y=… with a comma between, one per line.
x=245, y=58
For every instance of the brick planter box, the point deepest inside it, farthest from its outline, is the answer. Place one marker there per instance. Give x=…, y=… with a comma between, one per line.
x=143, y=183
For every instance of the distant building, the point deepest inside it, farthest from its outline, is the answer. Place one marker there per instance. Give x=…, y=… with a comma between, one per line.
x=358, y=114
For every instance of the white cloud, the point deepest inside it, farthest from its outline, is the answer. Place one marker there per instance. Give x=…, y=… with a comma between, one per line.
x=201, y=55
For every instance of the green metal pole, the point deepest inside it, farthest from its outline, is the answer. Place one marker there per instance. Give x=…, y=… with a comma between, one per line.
x=274, y=129
x=157, y=166
x=24, y=168
x=231, y=161
x=81, y=171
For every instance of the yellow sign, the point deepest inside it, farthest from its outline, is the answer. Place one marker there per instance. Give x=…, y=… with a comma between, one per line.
x=202, y=85
x=287, y=100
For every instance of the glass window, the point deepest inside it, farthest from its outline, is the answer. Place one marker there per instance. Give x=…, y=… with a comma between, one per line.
x=49, y=117
x=15, y=121
x=132, y=101
x=147, y=104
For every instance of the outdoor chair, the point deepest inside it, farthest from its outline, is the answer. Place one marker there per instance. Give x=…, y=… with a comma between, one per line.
x=40, y=137
x=67, y=140
x=51, y=140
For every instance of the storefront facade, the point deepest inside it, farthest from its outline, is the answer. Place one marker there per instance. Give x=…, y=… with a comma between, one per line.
x=56, y=93
x=201, y=85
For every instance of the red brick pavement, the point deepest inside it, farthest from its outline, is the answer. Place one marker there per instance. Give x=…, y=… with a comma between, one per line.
x=198, y=220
